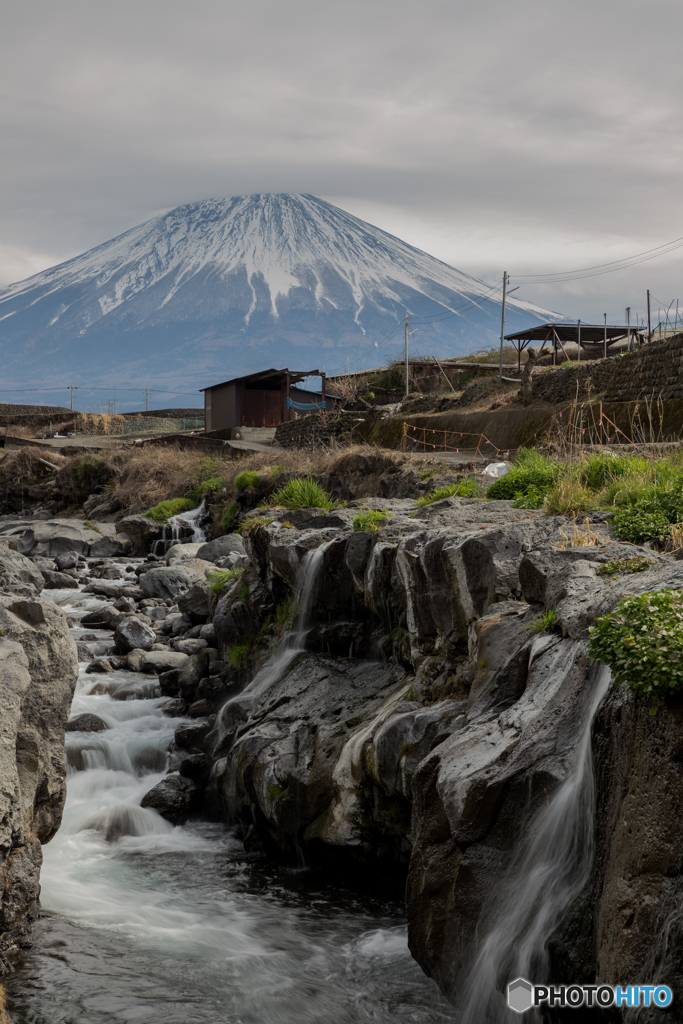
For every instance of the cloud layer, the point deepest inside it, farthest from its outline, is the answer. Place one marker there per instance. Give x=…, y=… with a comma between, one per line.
x=527, y=137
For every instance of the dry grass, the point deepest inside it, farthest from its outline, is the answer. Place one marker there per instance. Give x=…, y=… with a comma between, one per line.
x=29, y=463
x=100, y=423
x=583, y=537
x=144, y=478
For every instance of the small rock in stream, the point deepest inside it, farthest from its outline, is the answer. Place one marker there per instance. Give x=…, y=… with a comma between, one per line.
x=86, y=723
x=99, y=665
x=173, y=798
x=131, y=634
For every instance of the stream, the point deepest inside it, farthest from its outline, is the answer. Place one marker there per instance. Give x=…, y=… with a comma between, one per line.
x=143, y=921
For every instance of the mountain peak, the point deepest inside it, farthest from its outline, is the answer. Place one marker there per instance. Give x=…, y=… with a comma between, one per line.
x=255, y=278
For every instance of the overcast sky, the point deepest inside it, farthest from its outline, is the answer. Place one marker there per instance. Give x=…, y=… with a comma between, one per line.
x=532, y=137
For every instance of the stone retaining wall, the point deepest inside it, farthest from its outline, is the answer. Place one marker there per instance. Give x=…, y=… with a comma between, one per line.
x=316, y=429
x=655, y=370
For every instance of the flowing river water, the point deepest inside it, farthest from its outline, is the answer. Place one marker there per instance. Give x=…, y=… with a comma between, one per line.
x=142, y=921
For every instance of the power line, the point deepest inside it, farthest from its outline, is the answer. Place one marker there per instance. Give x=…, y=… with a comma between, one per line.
x=602, y=268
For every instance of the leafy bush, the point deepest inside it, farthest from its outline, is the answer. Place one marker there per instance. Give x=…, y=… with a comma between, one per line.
x=303, y=492
x=466, y=488
x=532, y=498
x=220, y=578
x=641, y=641
x=370, y=522
x=173, y=507
x=531, y=470
x=248, y=478
x=638, y=526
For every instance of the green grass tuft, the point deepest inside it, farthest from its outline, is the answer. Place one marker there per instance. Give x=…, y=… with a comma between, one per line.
x=467, y=488
x=230, y=515
x=545, y=623
x=219, y=579
x=248, y=478
x=370, y=522
x=303, y=492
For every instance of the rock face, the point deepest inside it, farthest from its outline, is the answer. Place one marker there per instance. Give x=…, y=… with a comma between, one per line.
x=18, y=575
x=410, y=718
x=38, y=672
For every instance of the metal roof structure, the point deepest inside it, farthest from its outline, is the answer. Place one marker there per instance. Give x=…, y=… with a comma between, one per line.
x=591, y=334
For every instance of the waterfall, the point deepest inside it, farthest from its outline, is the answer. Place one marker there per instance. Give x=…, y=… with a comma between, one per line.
x=175, y=530
x=548, y=872
x=292, y=644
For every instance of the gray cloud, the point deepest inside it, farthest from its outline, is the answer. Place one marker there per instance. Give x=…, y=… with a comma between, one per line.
x=525, y=137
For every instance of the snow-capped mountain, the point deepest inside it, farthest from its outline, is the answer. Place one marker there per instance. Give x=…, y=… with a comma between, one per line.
x=227, y=286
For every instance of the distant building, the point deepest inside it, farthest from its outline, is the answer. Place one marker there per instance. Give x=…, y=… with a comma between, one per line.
x=263, y=399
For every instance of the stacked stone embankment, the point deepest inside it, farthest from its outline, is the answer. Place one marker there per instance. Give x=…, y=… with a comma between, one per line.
x=655, y=370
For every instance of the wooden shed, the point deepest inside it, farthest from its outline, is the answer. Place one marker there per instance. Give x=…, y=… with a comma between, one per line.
x=263, y=399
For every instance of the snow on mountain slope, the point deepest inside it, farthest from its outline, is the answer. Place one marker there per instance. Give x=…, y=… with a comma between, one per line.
x=226, y=286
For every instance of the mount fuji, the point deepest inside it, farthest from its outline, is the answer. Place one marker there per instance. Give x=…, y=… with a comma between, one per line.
x=224, y=287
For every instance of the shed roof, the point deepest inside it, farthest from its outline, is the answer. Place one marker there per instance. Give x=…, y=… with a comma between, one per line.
x=591, y=334
x=271, y=377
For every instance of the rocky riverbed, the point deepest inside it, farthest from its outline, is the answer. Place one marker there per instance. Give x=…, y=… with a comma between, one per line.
x=369, y=705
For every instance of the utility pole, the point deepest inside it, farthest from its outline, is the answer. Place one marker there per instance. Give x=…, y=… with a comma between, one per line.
x=502, y=323
x=628, y=326
x=406, y=325
x=578, y=339
x=605, y=348
x=72, y=388
x=649, y=322
x=146, y=399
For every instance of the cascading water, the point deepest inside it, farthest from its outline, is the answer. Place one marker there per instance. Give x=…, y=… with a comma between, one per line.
x=148, y=922
x=175, y=531
x=548, y=872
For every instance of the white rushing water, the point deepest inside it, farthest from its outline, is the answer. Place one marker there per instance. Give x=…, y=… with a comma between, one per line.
x=547, y=872
x=172, y=925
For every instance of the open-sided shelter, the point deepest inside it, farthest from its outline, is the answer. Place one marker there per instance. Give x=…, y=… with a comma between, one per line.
x=587, y=337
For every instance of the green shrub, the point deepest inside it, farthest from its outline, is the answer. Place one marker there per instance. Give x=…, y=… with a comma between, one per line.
x=545, y=623
x=531, y=470
x=210, y=486
x=230, y=515
x=370, y=522
x=533, y=497
x=467, y=488
x=173, y=507
x=220, y=578
x=641, y=642
x=303, y=492
x=248, y=478
x=628, y=565
x=637, y=526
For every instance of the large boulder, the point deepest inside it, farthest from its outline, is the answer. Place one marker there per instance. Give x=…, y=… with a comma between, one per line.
x=18, y=575
x=55, y=537
x=131, y=634
x=162, y=661
x=222, y=546
x=105, y=617
x=170, y=581
x=38, y=673
x=173, y=798
x=58, y=580
x=142, y=533
x=196, y=602
x=181, y=552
